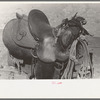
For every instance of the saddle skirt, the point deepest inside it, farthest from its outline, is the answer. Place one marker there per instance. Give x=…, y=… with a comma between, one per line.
x=21, y=34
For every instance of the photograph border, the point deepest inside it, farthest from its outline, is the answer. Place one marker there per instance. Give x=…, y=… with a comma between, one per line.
x=48, y=83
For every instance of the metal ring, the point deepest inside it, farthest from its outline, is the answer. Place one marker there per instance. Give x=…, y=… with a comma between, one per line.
x=33, y=54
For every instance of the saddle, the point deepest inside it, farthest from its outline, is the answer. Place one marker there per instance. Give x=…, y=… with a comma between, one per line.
x=30, y=32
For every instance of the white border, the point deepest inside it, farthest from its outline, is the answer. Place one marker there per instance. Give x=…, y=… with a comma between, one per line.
x=45, y=89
